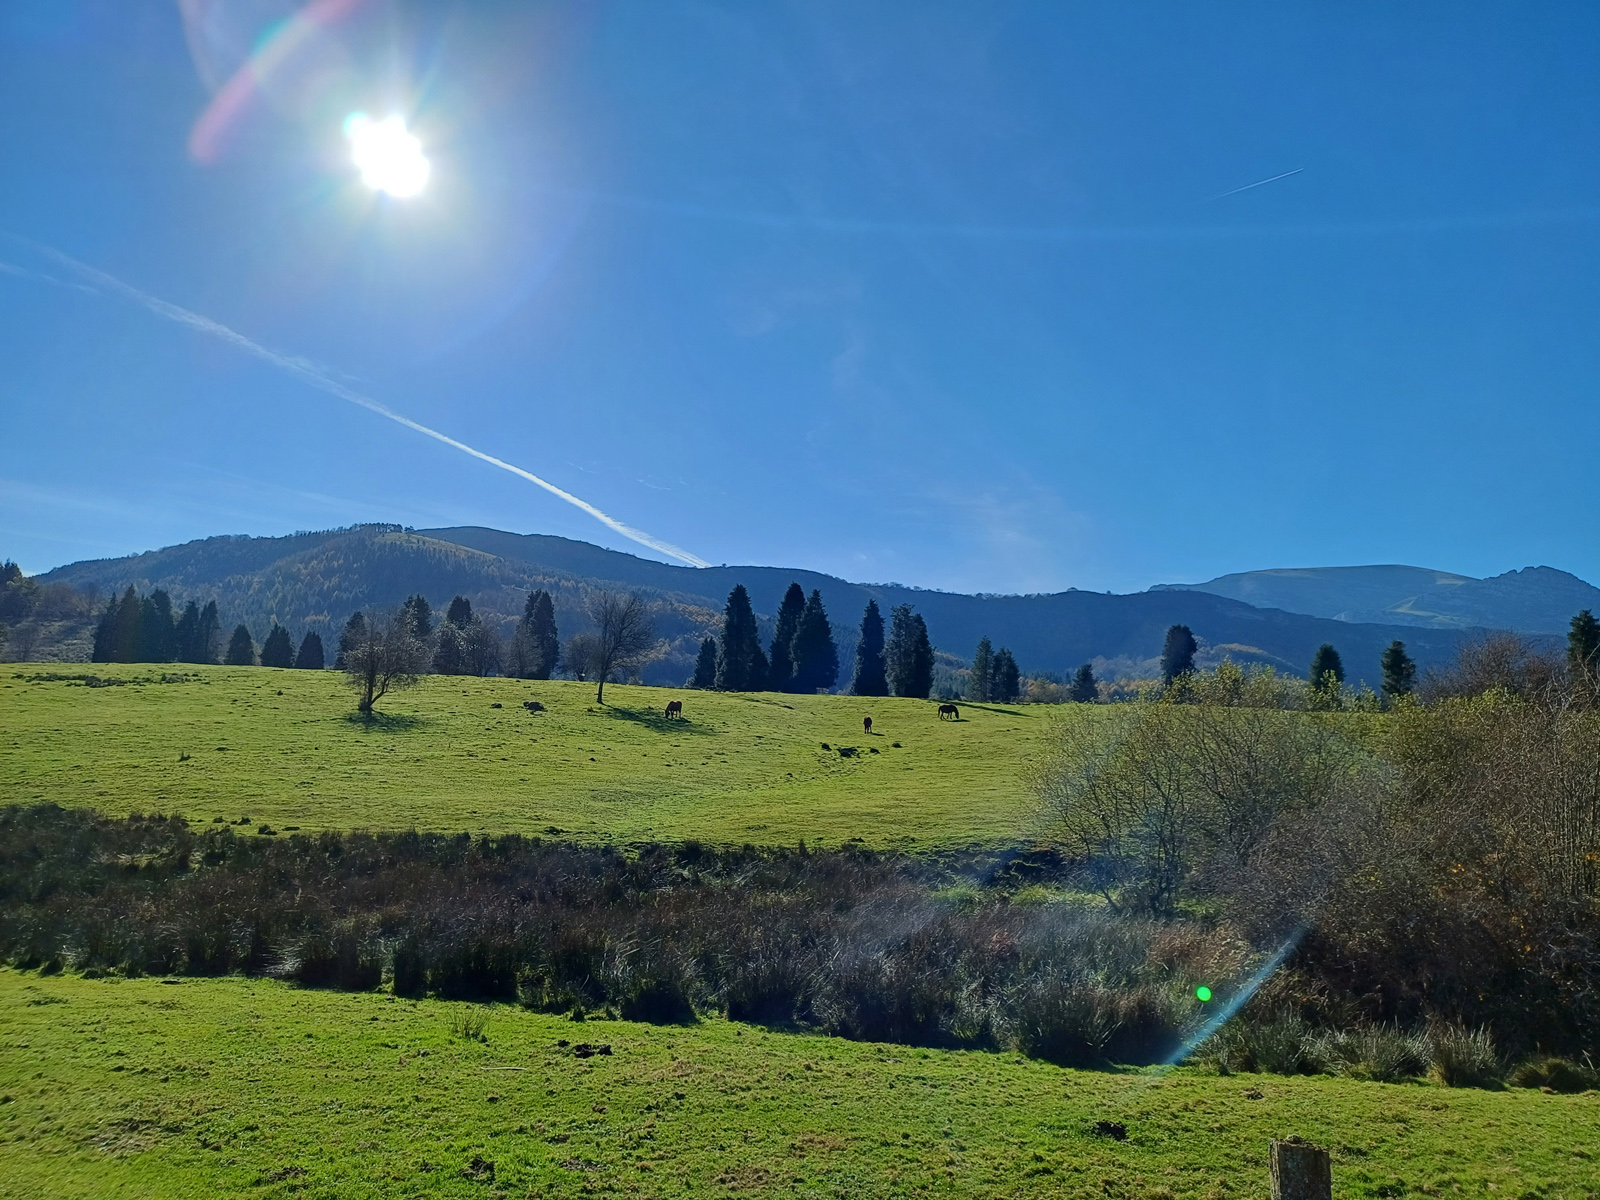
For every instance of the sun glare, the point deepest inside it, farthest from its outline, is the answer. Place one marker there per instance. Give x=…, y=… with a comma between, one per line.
x=388, y=156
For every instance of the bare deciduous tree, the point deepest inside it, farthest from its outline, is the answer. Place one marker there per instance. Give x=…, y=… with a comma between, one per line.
x=624, y=634
x=381, y=657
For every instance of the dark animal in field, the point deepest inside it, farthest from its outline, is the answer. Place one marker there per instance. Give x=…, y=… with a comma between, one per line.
x=674, y=708
x=949, y=710
x=866, y=724
x=533, y=706
x=848, y=751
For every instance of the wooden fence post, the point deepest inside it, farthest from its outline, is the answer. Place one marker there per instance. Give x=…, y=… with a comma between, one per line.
x=1300, y=1171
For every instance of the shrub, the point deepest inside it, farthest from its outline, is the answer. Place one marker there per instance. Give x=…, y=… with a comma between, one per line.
x=1280, y=1045
x=1379, y=1053
x=1557, y=1074
x=1463, y=1057
x=469, y=1022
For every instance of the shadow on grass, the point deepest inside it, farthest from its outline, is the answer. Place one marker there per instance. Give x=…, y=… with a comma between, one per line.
x=385, y=722
x=994, y=708
x=657, y=720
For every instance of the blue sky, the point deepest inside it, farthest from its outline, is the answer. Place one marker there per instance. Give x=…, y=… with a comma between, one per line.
x=929, y=293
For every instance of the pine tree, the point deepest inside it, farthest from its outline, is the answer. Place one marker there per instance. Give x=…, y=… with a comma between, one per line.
x=418, y=615
x=105, y=634
x=277, y=650
x=982, y=673
x=539, y=616
x=1583, y=655
x=1177, y=655
x=208, y=637
x=869, y=678
x=128, y=641
x=158, y=642
x=310, y=656
x=908, y=656
x=354, y=630
x=705, y=667
x=241, y=649
x=1007, y=685
x=1324, y=663
x=449, y=653
x=1084, y=689
x=741, y=667
x=781, y=669
x=1399, y=672
x=460, y=612
x=816, y=658
x=921, y=682
x=183, y=633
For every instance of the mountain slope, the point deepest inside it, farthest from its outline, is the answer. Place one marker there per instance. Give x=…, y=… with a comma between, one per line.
x=1532, y=600
x=315, y=580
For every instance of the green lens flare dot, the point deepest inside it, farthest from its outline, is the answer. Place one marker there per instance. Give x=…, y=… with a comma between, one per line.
x=1202, y=993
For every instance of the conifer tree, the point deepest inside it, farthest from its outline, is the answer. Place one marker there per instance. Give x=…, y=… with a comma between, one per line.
x=908, y=655
x=1177, y=655
x=982, y=672
x=816, y=658
x=277, y=650
x=869, y=678
x=158, y=642
x=539, y=616
x=1399, y=672
x=449, y=653
x=460, y=612
x=208, y=636
x=354, y=630
x=1583, y=656
x=705, y=667
x=183, y=633
x=241, y=649
x=418, y=615
x=741, y=667
x=1007, y=683
x=1084, y=689
x=105, y=634
x=781, y=666
x=309, y=657
x=128, y=641
x=921, y=682
x=1325, y=663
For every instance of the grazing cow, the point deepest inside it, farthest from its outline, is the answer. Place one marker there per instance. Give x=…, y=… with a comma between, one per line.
x=674, y=708
x=949, y=710
x=533, y=706
x=866, y=724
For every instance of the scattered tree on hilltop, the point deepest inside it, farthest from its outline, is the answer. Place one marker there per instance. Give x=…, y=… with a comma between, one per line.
x=309, y=657
x=816, y=658
x=1084, y=688
x=869, y=677
x=1005, y=685
x=1399, y=672
x=381, y=657
x=982, y=672
x=241, y=649
x=624, y=634
x=908, y=655
x=1583, y=656
x=354, y=630
x=705, y=667
x=781, y=668
x=741, y=666
x=1177, y=655
x=277, y=650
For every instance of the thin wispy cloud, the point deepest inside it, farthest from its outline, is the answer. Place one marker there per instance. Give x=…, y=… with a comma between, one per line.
x=309, y=372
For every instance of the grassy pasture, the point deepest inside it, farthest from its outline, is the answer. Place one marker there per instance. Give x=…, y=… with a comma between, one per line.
x=284, y=748
x=234, y=1087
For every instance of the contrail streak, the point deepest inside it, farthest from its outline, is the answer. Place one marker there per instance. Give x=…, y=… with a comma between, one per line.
x=310, y=373
x=1256, y=184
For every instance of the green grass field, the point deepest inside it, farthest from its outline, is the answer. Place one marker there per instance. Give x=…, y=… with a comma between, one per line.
x=282, y=747
x=229, y=1087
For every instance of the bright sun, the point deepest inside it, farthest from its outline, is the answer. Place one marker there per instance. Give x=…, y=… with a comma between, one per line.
x=390, y=158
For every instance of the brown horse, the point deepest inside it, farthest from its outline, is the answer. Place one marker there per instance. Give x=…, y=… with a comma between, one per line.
x=866, y=724
x=674, y=708
x=949, y=710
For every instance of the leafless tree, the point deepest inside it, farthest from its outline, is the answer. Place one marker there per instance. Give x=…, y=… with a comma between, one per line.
x=624, y=635
x=384, y=656
x=578, y=655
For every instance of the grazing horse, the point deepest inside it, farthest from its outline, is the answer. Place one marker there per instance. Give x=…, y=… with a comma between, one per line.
x=674, y=708
x=949, y=710
x=866, y=724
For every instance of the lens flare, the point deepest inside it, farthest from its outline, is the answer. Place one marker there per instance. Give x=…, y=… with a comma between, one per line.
x=1202, y=993
x=388, y=156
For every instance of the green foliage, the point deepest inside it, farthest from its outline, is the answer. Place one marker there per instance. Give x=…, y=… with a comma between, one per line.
x=815, y=657
x=277, y=650
x=536, y=645
x=741, y=666
x=705, y=666
x=418, y=615
x=1084, y=688
x=354, y=630
x=1557, y=1074
x=781, y=670
x=1463, y=1057
x=908, y=655
x=1177, y=653
x=310, y=656
x=1326, y=662
x=870, y=677
x=1005, y=684
x=1399, y=672
x=241, y=649
x=982, y=671
x=459, y=614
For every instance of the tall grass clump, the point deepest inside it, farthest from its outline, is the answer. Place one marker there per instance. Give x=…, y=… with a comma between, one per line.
x=1462, y=1057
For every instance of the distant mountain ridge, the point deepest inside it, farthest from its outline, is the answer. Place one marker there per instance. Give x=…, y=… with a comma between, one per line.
x=315, y=580
x=1534, y=600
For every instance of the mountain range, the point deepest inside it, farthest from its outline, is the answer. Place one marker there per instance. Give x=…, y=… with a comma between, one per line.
x=315, y=580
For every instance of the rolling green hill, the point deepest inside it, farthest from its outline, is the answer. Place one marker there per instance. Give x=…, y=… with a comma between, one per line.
x=282, y=748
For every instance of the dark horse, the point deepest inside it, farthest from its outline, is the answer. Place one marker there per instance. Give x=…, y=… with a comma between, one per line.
x=866, y=724
x=949, y=710
x=674, y=708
